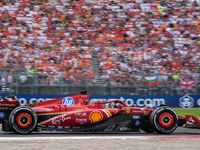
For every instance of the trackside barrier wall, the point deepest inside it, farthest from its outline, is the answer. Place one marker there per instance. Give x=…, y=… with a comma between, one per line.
x=182, y=101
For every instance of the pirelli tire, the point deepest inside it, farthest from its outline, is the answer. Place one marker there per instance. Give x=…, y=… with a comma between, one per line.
x=23, y=120
x=164, y=120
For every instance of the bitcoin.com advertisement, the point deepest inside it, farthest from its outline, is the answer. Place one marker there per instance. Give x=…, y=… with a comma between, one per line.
x=183, y=101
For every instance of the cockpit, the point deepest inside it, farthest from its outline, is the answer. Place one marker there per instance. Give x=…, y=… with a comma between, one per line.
x=109, y=104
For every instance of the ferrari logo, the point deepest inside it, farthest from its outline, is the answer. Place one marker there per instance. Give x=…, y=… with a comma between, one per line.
x=127, y=110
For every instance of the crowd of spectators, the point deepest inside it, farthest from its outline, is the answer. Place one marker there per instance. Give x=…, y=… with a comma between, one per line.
x=132, y=39
x=157, y=39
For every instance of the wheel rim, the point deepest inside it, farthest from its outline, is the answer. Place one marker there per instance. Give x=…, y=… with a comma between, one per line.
x=166, y=120
x=24, y=120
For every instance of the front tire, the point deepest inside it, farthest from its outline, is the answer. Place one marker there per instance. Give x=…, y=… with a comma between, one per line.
x=23, y=120
x=164, y=120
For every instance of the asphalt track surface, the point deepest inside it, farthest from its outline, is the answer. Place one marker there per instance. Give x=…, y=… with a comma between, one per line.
x=180, y=132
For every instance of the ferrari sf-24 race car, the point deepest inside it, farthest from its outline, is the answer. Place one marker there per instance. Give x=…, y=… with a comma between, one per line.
x=77, y=114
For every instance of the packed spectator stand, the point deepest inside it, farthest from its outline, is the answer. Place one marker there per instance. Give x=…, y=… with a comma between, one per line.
x=60, y=42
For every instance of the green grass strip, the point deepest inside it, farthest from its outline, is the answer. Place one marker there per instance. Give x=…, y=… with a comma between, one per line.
x=193, y=112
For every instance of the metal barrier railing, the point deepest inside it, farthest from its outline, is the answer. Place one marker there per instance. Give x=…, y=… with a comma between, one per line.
x=59, y=84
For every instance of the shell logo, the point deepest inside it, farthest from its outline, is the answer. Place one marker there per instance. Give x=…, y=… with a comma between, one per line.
x=95, y=116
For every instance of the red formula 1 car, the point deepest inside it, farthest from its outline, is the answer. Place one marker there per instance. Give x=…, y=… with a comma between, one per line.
x=75, y=113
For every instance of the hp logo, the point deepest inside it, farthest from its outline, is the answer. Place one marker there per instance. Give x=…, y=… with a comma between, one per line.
x=68, y=101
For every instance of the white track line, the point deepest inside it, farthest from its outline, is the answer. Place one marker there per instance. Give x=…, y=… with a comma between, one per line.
x=71, y=138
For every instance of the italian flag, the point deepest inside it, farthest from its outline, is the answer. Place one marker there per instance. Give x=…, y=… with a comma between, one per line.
x=151, y=80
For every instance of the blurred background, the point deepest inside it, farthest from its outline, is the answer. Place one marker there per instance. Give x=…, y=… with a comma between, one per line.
x=130, y=47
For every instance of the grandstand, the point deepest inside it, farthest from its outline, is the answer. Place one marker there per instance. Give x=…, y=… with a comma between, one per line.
x=139, y=47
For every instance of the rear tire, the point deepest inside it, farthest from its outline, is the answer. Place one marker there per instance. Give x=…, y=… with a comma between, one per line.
x=23, y=120
x=164, y=120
